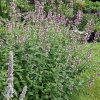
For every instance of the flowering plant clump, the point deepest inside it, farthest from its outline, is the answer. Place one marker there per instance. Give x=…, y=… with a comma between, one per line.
x=10, y=91
x=50, y=57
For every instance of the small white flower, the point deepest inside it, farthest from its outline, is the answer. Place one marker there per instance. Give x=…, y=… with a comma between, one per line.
x=86, y=33
x=81, y=32
x=75, y=30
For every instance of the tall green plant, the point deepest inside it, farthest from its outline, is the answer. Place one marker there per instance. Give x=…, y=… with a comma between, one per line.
x=4, y=8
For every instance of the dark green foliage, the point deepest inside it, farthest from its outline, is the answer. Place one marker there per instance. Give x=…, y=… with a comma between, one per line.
x=25, y=6
x=83, y=23
x=93, y=6
x=4, y=8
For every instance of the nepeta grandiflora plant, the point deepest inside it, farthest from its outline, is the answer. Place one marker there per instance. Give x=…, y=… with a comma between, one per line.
x=79, y=16
x=96, y=37
x=90, y=27
x=10, y=91
x=47, y=53
x=22, y=95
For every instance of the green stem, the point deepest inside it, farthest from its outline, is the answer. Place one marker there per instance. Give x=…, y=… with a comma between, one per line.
x=0, y=9
x=7, y=98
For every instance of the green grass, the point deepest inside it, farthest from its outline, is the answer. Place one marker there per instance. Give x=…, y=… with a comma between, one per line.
x=85, y=92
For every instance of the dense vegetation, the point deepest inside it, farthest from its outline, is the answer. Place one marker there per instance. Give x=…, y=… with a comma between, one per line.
x=51, y=49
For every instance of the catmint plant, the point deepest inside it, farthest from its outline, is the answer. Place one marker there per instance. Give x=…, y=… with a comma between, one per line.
x=90, y=27
x=79, y=17
x=10, y=91
x=96, y=37
x=22, y=95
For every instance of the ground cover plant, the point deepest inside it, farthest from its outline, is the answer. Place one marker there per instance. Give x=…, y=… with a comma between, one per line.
x=50, y=58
